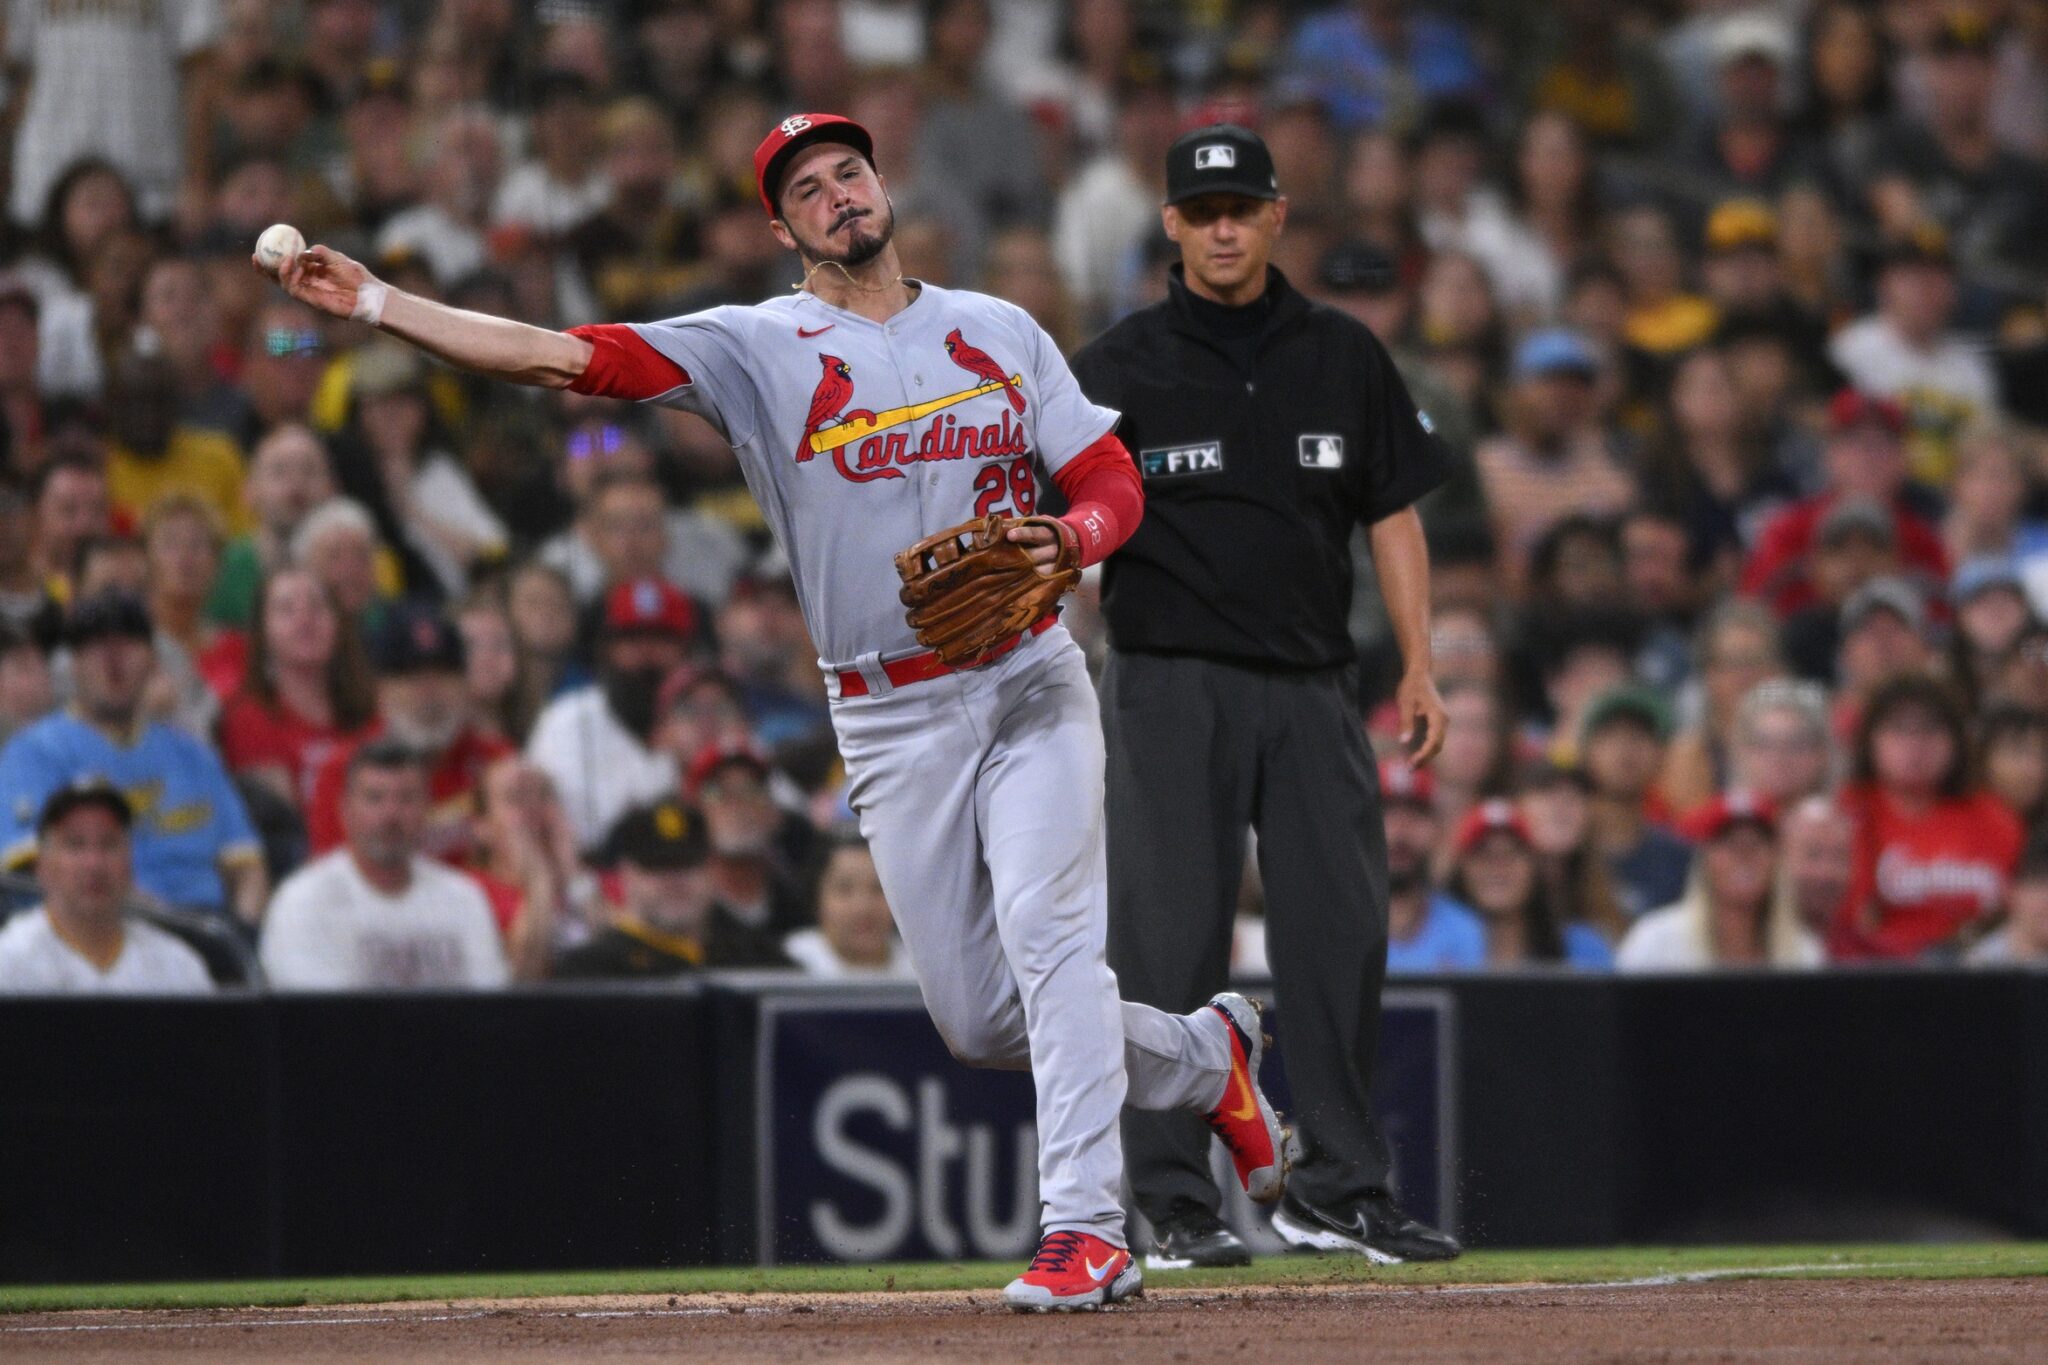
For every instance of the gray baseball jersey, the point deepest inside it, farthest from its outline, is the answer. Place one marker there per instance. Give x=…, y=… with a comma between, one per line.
x=980, y=791
x=859, y=438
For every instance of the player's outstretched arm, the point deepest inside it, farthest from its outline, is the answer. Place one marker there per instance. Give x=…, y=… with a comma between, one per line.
x=497, y=347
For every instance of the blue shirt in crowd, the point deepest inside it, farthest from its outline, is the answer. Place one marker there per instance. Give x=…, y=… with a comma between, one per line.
x=1451, y=938
x=1585, y=948
x=1337, y=58
x=188, y=816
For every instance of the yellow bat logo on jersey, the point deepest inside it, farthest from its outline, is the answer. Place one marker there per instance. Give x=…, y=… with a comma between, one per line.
x=859, y=425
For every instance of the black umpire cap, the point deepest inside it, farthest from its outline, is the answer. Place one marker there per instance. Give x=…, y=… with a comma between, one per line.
x=1222, y=158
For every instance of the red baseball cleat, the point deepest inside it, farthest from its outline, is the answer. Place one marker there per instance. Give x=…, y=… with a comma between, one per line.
x=1245, y=1122
x=1074, y=1272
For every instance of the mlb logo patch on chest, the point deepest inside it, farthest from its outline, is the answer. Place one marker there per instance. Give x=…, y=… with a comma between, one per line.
x=1166, y=462
x=1322, y=452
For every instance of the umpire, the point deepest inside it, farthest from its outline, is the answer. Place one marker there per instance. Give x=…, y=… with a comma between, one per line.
x=1266, y=427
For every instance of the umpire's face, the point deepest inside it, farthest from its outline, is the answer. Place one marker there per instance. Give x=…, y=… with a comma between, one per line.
x=1225, y=240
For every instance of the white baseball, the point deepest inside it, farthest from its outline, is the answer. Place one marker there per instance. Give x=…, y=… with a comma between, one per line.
x=278, y=244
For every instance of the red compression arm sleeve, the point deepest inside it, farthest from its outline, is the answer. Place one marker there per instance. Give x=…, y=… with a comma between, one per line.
x=1105, y=498
x=624, y=366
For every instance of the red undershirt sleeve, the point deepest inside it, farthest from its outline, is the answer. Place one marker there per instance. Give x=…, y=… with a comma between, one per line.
x=1105, y=498
x=623, y=365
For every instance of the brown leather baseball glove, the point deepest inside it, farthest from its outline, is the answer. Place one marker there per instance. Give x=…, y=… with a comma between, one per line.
x=970, y=588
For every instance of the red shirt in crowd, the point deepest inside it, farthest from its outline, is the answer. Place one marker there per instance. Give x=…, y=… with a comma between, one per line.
x=452, y=785
x=254, y=734
x=1776, y=569
x=1918, y=879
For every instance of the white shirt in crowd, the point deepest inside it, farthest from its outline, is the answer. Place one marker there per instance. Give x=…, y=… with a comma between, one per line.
x=104, y=82
x=598, y=766
x=530, y=196
x=704, y=558
x=452, y=250
x=1101, y=217
x=1877, y=359
x=34, y=960
x=328, y=929
x=1671, y=940
x=809, y=949
x=443, y=493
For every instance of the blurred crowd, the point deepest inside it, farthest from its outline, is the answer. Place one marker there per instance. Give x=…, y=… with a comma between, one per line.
x=1734, y=316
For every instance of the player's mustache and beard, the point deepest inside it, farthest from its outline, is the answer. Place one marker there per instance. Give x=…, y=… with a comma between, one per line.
x=865, y=239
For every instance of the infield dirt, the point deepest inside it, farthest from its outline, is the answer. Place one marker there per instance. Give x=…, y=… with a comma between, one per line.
x=1805, y=1320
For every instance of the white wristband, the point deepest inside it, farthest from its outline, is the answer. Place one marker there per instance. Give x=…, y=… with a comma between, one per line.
x=370, y=299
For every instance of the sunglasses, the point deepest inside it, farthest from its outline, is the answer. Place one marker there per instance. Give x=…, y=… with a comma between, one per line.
x=286, y=342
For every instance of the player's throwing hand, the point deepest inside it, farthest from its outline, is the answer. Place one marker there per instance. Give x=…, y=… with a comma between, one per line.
x=324, y=278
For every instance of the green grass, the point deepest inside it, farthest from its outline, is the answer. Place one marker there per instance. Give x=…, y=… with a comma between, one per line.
x=1479, y=1267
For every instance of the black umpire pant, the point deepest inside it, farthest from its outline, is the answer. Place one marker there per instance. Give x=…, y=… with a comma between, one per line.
x=1199, y=750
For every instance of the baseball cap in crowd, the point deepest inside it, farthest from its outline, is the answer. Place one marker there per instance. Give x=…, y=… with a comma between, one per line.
x=1921, y=244
x=91, y=791
x=1857, y=515
x=1223, y=158
x=1752, y=35
x=791, y=136
x=1544, y=771
x=413, y=638
x=1963, y=30
x=1889, y=593
x=1490, y=817
x=1742, y=224
x=1402, y=783
x=107, y=614
x=665, y=837
x=649, y=605
x=1983, y=574
x=384, y=367
x=1630, y=701
x=1852, y=408
x=721, y=754
x=1726, y=812
x=1554, y=351
x=1357, y=268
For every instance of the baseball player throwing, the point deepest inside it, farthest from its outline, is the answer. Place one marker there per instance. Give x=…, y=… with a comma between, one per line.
x=872, y=415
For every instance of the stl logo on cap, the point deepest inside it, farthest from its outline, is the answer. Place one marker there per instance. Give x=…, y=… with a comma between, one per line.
x=1215, y=156
x=793, y=125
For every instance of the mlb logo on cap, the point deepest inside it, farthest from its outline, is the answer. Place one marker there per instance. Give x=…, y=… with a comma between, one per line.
x=1215, y=157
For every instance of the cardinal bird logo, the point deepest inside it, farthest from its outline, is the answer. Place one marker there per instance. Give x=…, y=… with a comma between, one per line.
x=976, y=361
x=835, y=386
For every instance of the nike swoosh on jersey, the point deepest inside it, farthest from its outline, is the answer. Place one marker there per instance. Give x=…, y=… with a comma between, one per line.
x=820, y=332
x=1096, y=1272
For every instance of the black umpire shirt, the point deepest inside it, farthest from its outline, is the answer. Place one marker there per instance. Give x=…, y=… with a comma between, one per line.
x=1264, y=434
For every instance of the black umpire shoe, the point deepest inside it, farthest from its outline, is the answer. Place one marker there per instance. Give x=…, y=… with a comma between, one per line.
x=1192, y=1236
x=1374, y=1227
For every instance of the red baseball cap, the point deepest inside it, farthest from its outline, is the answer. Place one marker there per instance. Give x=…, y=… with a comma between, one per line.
x=1724, y=812
x=1851, y=408
x=795, y=133
x=716, y=755
x=649, y=604
x=1402, y=781
x=1487, y=818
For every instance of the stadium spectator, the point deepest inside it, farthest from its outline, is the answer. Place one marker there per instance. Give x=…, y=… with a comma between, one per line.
x=283, y=360
x=2022, y=939
x=1111, y=204
x=542, y=611
x=194, y=848
x=526, y=862
x=1854, y=544
x=288, y=477
x=1987, y=503
x=423, y=704
x=1818, y=863
x=26, y=694
x=151, y=453
x=197, y=662
x=1496, y=871
x=1609, y=80
x=307, y=692
x=337, y=543
x=1933, y=851
x=1736, y=910
x=765, y=649
x=70, y=506
x=490, y=664
x=1553, y=458
x=855, y=937
x=1374, y=62
x=2011, y=752
x=1621, y=743
x=445, y=230
x=1477, y=760
x=1992, y=613
x=1427, y=931
x=562, y=185
x=669, y=919
x=1780, y=746
x=729, y=783
x=181, y=318
x=624, y=529
x=1884, y=634
x=81, y=940
x=376, y=914
x=631, y=256
x=596, y=742
x=1909, y=352
x=1665, y=318
x=1750, y=146
x=1847, y=99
